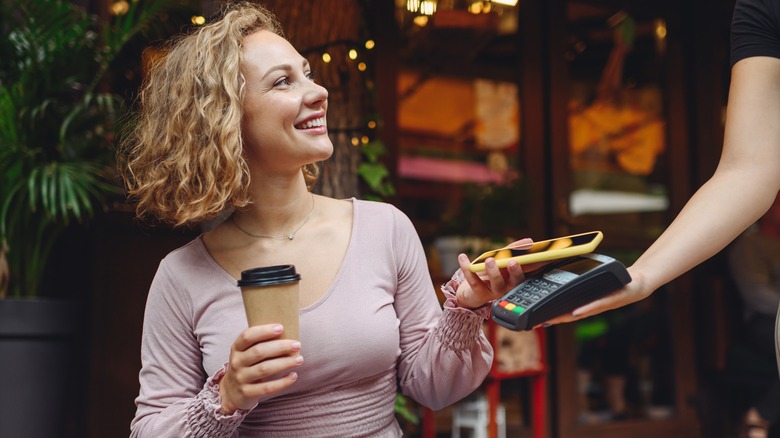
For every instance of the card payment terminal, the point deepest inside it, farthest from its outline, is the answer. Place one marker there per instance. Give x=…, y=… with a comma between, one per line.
x=559, y=288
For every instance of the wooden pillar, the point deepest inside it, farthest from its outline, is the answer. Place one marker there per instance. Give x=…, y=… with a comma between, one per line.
x=315, y=27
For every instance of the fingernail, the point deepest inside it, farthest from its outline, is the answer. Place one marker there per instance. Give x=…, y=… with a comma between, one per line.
x=299, y=359
x=296, y=346
x=575, y=314
x=491, y=263
x=293, y=376
x=278, y=328
x=546, y=324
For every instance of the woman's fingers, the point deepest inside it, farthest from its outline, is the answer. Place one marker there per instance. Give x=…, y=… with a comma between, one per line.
x=257, y=354
x=272, y=386
x=488, y=285
x=255, y=334
x=495, y=277
x=631, y=293
x=471, y=296
x=243, y=395
x=634, y=291
x=257, y=366
x=471, y=278
x=269, y=350
x=266, y=359
x=521, y=244
x=262, y=372
x=516, y=273
x=609, y=302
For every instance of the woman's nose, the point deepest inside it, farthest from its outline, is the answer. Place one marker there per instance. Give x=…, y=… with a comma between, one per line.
x=317, y=94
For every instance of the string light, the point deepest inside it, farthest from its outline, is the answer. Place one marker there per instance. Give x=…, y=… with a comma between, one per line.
x=420, y=20
x=660, y=29
x=120, y=8
x=424, y=7
x=335, y=51
x=480, y=7
x=198, y=20
x=427, y=7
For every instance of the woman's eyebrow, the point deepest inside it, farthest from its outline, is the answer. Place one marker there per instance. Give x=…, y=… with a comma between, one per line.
x=285, y=67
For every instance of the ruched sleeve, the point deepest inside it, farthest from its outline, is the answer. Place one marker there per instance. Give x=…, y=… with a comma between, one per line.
x=445, y=355
x=176, y=398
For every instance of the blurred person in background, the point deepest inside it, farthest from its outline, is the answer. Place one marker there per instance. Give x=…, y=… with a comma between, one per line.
x=754, y=259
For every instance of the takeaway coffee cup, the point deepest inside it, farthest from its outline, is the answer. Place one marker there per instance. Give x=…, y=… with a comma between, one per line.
x=270, y=295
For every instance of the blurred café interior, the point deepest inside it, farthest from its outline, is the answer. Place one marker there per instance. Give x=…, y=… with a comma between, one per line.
x=485, y=122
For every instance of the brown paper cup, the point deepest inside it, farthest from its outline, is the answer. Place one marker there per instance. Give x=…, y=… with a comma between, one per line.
x=270, y=295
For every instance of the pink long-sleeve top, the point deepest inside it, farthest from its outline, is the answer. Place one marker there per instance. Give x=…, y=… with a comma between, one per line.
x=379, y=327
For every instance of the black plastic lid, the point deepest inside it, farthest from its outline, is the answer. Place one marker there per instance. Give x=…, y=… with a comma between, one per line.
x=269, y=275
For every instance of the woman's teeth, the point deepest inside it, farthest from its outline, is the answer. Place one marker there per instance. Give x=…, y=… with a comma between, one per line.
x=312, y=123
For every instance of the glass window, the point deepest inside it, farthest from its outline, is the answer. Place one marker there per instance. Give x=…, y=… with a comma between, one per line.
x=619, y=184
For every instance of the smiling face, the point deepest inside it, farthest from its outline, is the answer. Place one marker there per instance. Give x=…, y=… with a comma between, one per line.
x=284, y=110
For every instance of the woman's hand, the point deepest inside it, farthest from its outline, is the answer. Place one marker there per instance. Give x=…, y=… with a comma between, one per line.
x=634, y=291
x=491, y=284
x=256, y=355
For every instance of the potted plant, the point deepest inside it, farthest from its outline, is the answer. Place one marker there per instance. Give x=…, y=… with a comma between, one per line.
x=57, y=119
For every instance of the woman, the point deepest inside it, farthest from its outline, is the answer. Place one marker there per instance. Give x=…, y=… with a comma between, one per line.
x=231, y=119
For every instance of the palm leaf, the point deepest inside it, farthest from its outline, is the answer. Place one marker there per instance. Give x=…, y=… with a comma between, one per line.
x=55, y=123
x=8, y=131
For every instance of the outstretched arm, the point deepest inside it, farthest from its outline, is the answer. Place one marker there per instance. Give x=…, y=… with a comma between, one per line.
x=739, y=192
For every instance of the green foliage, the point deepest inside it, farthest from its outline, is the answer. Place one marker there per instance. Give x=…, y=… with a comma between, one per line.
x=402, y=409
x=56, y=123
x=373, y=172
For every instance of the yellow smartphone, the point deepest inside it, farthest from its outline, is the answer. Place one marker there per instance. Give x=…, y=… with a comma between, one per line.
x=541, y=251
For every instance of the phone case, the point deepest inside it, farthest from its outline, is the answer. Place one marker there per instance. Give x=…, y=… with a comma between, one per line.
x=542, y=256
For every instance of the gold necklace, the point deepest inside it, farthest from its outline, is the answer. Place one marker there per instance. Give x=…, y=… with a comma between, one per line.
x=290, y=236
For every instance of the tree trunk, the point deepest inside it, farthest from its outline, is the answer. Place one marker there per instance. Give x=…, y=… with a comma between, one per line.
x=315, y=27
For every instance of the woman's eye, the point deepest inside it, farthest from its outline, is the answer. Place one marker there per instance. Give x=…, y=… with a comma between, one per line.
x=282, y=81
x=311, y=75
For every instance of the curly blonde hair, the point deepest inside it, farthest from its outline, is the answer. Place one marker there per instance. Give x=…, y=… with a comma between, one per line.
x=183, y=163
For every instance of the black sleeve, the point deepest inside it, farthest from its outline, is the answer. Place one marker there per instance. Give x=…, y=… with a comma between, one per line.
x=754, y=29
